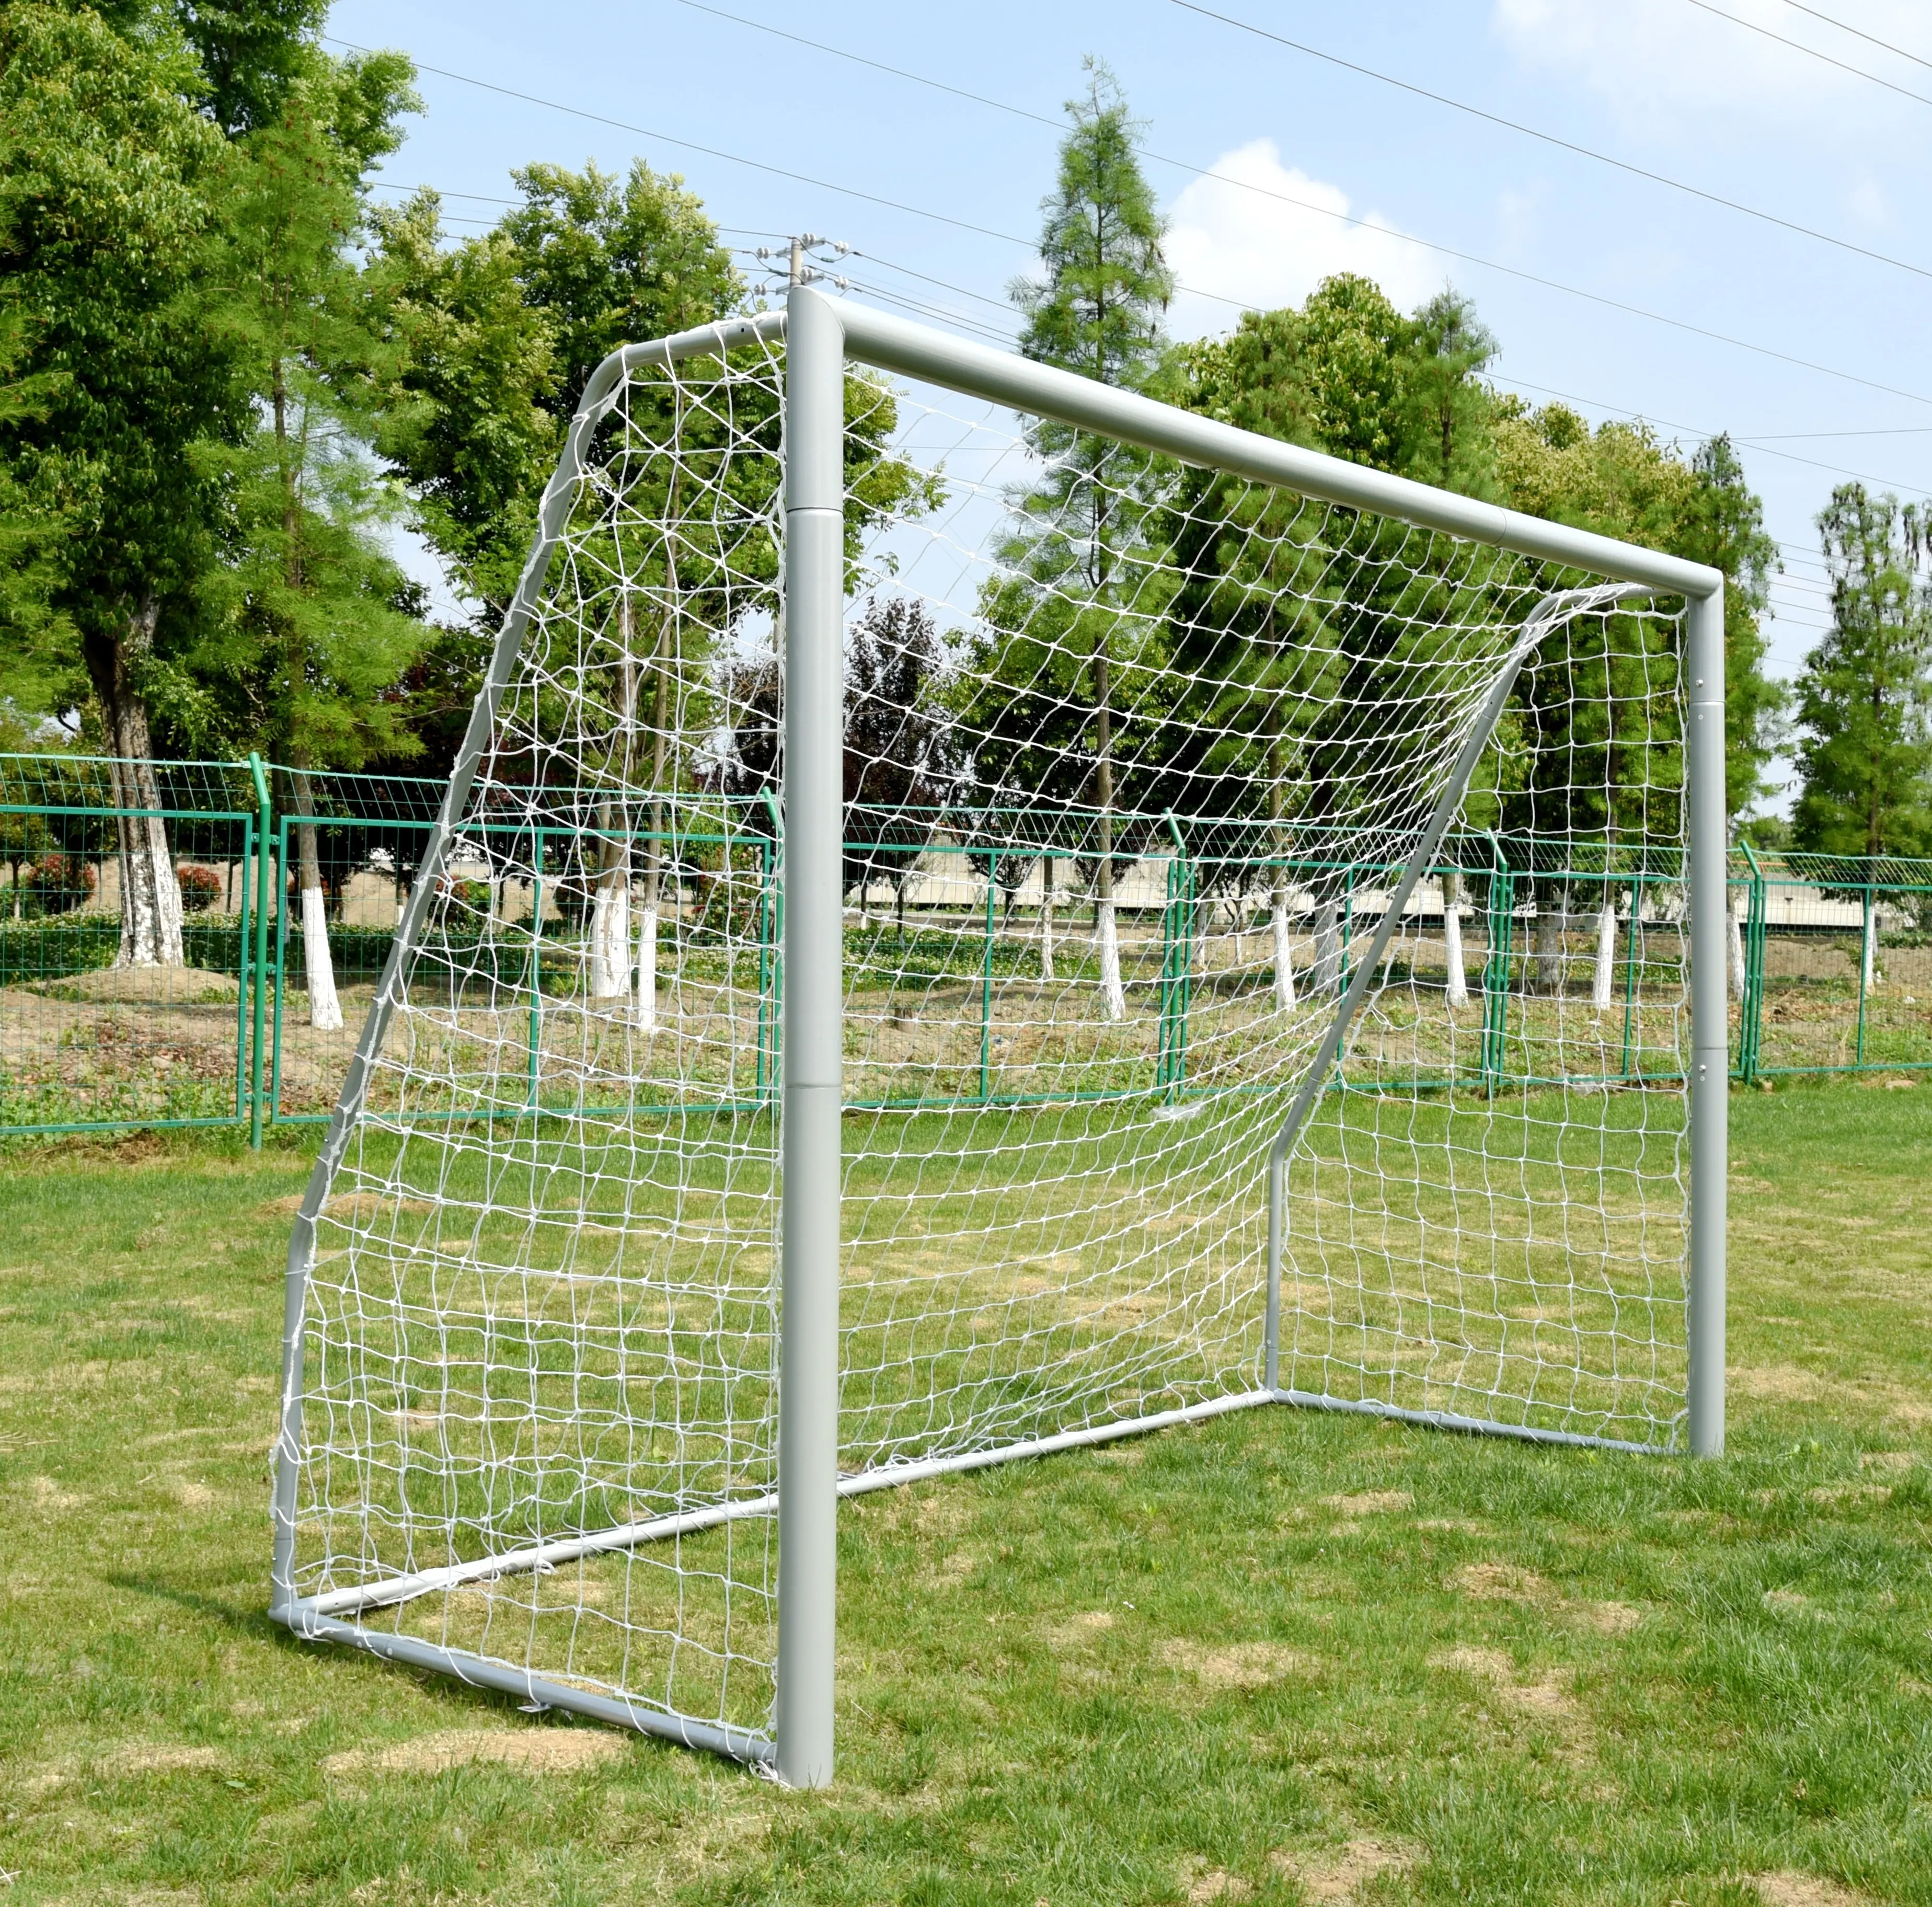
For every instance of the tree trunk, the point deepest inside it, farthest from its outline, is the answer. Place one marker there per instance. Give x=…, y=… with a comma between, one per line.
x=1452, y=939
x=1549, y=943
x=150, y=908
x=1325, y=975
x=325, y=1009
x=1739, y=974
x=1870, y=976
x=1284, y=959
x=609, y=976
x=647, y=923
x=1046, y=917
x=1604, y=978
x=1106, y=934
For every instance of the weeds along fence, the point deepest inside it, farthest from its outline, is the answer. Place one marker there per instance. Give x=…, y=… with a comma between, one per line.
x=1513, y=950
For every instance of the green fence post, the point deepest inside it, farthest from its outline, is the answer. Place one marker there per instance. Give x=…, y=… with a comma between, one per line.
x=771, y=972
x=281, y=968
x=986, y=985
x=536, y=978
x=1495, y=973
x=1867, y=960
x=1630, y=968
x=1750, y=1009
x=258, y=967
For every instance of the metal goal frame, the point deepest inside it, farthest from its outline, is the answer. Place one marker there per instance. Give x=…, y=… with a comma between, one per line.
x=820, y=335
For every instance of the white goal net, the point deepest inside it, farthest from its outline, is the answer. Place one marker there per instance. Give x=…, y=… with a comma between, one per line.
x=1181, y=810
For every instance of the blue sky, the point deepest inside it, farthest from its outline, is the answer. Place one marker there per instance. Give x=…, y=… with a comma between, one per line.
x=1670, y=85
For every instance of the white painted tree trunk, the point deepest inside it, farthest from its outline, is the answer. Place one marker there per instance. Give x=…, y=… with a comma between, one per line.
x=609, y=939
x=1872, y=975
x=1604, y=978
x=647, y=968
x=150, y=906
x=325, y=1009
x=1326, y=974
x=1197, y=954
x=1736, y=935
x=1458, y=980
x=1284, y=955
x=1107, y=940
x=1046, y=919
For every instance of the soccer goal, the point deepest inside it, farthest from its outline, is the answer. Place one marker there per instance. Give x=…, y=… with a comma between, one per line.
x=979, y=913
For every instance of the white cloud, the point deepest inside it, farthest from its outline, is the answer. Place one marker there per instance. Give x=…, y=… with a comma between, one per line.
x=1657, y=60
x=1265, y=251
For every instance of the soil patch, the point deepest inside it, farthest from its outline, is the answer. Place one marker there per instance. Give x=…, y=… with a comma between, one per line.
x=530, y=1751
x=1341, y=1873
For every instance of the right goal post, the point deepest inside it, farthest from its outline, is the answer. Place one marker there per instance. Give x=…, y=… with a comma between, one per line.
x=1017, y=914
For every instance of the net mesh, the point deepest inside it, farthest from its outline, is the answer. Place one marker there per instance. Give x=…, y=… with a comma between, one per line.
x=1135, y=753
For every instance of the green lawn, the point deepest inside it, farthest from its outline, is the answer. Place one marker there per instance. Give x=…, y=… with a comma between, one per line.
x=1284, y=1656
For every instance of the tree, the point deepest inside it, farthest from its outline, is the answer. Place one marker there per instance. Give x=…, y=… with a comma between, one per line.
x=1098, y=308
x=1295, y=623
x=1864, y=698
x=317, y=626
x=107, y=187
x=900, y=766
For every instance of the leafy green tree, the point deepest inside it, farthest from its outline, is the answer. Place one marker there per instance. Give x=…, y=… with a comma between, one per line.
x=1443, y=406
x=1098, y=307
x=1864, y=698
x=313, y=625
x=108, y=188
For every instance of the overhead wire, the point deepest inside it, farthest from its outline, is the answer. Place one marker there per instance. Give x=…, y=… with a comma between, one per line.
x=944, y=218
x=1796, y=6
x=1555, y=140
x=1811, y=52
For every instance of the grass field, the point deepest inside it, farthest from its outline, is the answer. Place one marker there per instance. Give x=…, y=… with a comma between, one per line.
x=1282, y=1656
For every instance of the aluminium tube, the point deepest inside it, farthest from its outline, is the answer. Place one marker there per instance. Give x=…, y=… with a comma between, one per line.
x=813, y=1041
x=1541, y=619
x=1710, y=1021
x=896, y=344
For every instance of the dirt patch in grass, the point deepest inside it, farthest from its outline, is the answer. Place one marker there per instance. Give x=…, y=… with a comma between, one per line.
x=1371, y=1503
x=1546, y=1699
x=530, y=1751
x=1241, y=1665
x=1341, y=1873
x=1776, y=1383
x=1609, y=1618
x=1500, y=1582
x=351, y=1210
x=1787, y=1887
x=1213, y=1884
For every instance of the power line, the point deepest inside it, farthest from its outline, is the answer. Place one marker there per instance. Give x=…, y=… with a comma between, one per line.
x=1007, y=238
x=1799, y=46
x=1307, y=205
x=1691, y=430
x=1856, y=32
x=1563, y=145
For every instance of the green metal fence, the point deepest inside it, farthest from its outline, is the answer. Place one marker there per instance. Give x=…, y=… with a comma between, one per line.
x=1832, y=956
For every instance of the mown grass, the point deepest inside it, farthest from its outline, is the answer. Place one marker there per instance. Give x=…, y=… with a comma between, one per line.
x=1282, y=1656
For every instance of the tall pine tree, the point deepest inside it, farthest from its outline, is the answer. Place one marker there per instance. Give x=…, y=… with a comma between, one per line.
x=1097, y=308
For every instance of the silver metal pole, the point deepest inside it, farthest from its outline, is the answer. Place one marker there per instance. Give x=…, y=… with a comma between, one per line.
x=1710, y=1029
x=814, y=587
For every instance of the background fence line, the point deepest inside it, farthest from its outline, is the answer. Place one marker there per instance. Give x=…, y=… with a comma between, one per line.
x=1831, y=954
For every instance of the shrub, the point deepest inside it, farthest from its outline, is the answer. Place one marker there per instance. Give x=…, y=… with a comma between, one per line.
x=200, y=888
x=57, y=883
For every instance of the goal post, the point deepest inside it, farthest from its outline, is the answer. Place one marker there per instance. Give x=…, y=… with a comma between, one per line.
x=587, y=1331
